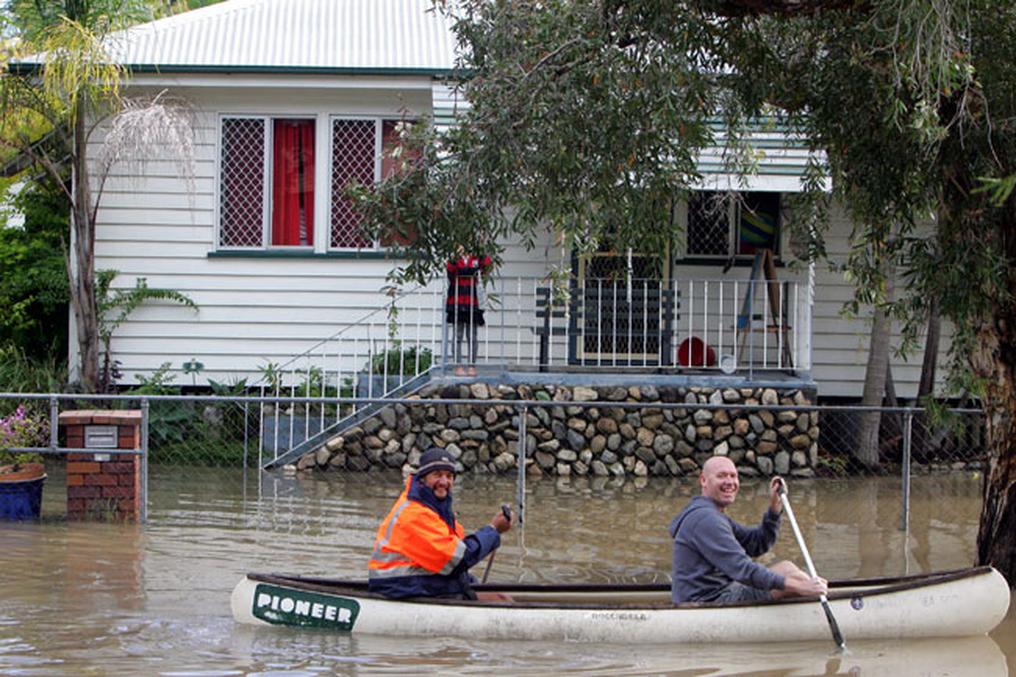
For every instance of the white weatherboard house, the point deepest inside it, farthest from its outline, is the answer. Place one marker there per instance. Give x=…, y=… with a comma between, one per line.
x=294, y=98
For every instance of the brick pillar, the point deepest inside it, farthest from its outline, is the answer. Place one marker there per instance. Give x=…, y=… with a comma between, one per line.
x=101, y=485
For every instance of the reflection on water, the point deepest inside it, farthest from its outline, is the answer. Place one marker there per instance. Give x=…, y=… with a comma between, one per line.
x=121, y=599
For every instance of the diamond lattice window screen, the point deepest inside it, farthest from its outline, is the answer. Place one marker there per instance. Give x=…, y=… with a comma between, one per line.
x=242, y=183
x=353, y=159
x=708, y=226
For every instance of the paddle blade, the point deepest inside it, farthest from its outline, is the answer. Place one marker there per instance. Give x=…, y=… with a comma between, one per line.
x=834, y=627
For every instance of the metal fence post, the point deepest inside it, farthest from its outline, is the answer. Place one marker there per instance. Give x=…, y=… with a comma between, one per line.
x=444, y=347
x=444, y=337
x=521, y=451
x=144, y=459
x=54, y=418
x=246, y=431
x=908, y=424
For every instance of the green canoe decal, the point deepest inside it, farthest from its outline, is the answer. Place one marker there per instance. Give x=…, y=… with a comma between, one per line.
x=286, y=606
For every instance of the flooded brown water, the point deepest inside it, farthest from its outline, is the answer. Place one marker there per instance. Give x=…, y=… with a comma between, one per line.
x=101, y=599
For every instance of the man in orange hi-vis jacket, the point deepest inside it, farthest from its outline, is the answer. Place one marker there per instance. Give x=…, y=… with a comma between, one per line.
x=421, y=550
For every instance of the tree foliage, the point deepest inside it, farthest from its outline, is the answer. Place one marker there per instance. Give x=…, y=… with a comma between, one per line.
x=59, y=88
x=585, y=116
x=33, y=278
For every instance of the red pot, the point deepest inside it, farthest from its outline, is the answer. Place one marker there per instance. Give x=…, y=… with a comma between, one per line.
x=25, y=472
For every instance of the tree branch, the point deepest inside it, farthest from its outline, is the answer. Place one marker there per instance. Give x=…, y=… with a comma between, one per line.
x=43, y=161
x=743, y=8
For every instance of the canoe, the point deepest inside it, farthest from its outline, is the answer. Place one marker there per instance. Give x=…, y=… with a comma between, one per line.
x=957, y=603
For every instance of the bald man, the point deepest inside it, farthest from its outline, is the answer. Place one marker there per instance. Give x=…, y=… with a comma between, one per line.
x=712, y=553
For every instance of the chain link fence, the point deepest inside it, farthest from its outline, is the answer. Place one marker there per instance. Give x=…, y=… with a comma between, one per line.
x=202, y=432
x=939, y=440
x=907, y=449
x=234, y=431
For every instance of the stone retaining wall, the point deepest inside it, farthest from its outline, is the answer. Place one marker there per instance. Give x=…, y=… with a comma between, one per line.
x=603, y=440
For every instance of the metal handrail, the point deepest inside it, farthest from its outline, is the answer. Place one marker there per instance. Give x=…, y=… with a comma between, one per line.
x=346, y=328
x=599, y=404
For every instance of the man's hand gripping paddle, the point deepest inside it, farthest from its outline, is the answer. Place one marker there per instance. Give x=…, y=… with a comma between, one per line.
x=506, y=510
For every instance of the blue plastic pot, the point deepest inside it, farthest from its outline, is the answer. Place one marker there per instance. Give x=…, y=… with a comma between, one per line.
x=21, y=499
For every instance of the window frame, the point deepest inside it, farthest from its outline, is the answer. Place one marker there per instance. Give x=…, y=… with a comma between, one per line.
x=379, y=121
x=267, y=169
x=734, y=210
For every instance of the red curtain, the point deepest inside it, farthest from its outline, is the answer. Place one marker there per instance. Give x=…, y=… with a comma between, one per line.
x=293, y=183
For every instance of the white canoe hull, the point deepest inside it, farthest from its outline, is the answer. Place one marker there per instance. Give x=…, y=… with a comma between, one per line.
x=952, y=604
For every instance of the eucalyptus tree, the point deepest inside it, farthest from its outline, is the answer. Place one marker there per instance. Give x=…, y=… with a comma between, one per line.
x=915, y=103
x=59, y=87
x=586, y=117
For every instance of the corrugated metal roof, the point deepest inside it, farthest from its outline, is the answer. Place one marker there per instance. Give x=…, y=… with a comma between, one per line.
x=294, y=35
x=375, y=36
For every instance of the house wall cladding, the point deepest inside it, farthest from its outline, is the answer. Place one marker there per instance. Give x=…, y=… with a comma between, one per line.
x=252, y=309
x=599, y=439
x=255, y=309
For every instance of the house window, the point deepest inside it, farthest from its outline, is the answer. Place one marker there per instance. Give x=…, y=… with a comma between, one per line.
x=719, y=227
x=266, y=183
x=358, y=156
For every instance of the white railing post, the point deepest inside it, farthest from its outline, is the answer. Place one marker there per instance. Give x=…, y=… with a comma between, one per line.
x=719, y=339
x=645, y=321
x=736, y=346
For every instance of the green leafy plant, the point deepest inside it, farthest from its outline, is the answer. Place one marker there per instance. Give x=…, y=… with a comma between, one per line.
x=156, y=384
x=225, y=418
x=167, y=421
x=398, y=360
x=271, y=374
x=20, y=372
x=17, y=431
x=33, y=275
x=114, y=308
x=234, y=389
x=193, y=367
x=832, y=465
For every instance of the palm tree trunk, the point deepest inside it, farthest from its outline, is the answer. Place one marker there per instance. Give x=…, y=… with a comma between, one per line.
x=82, y=272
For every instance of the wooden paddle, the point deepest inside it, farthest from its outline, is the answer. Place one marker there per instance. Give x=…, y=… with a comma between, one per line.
x=834, y=627
x=506, y=510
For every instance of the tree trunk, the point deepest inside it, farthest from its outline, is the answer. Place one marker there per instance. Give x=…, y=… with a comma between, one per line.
x=81, y=270
x=995, y=359
x=926, y=386
x=892, y=424
x=867, y=451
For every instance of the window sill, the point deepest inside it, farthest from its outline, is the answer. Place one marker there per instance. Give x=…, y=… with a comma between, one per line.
x=740, y=262
x=289, y=254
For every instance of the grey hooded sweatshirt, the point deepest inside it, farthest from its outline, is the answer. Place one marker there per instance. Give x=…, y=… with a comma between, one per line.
x=711, y=550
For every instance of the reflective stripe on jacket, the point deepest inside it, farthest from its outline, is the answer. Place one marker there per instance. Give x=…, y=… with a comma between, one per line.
x=417, y=553
x=414, y=540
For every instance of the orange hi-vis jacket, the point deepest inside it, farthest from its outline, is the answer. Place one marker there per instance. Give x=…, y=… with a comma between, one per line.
x=416, y=551
x=413, y=539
